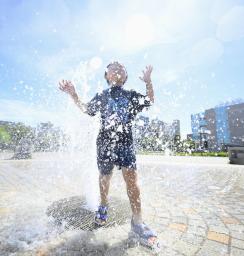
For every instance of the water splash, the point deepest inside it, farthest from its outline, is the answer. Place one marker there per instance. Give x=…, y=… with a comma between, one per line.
x=51, y=176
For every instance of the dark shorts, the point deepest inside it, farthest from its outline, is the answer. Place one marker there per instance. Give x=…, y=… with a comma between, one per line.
x=111, y=154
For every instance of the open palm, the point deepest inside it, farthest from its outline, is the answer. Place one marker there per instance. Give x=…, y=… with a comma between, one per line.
x=67, y=86
x=147, y=74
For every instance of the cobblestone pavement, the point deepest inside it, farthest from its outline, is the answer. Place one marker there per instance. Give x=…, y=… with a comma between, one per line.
x=196, y=205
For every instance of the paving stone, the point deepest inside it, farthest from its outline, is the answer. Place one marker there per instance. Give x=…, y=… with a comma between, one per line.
x=219, y=229
x=163, y=214
x=211, y=248
x=169, y=237
x=190, y=211
x=197, y=230
x=238, y=235
x=197, y=223
x=237, y=243
x=196, y=217
x=179, y=219
x=221, y=238
x=178, y=226
x=235, y=227
x=213, y=221
x=192, y=238
x=4, y=211
x=229, y=220
x=170, y=252
x=163, y=221
x=236, y=252
x=185, y=248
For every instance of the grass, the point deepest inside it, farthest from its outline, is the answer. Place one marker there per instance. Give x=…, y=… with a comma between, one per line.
x=213, y=154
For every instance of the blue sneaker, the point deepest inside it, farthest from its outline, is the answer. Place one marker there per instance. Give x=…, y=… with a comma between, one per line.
x=101, y=216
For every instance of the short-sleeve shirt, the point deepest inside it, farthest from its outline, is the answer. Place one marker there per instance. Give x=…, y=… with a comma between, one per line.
x=118, y=108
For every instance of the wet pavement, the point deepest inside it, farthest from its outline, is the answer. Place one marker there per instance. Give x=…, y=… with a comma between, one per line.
x=196, y=205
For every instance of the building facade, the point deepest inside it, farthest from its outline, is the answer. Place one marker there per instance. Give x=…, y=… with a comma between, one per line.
x=219, y=126
x=155, y=131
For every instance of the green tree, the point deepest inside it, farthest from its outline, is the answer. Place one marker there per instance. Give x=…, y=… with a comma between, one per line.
x=4, y=137
x=19, y=131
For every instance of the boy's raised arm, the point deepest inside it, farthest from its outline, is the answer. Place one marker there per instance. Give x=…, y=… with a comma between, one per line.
x=146, y=78
x=68, y=87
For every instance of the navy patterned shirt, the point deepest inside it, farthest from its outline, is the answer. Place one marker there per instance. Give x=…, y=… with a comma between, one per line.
x=118, y=108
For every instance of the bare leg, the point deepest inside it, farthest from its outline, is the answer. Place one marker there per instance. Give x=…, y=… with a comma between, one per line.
x=104, y=182
x=133, y=191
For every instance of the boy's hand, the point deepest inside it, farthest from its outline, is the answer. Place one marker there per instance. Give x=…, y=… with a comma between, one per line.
x=68, y=87
x=147, y=74
x=147, y=79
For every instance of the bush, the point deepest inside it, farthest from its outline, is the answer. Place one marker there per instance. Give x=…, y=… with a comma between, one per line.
x=214, y=154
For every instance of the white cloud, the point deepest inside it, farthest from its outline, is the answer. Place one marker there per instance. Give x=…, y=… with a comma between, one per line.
x=120, y=29
x=139, y=24
x=219, y=8
x=20, y=111
x=231, y=25
x=139, y=32
x=185, y=19
x=174, y=36
x=61, y=62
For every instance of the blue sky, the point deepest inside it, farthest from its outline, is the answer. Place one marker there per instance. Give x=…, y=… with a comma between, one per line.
x=195, y=46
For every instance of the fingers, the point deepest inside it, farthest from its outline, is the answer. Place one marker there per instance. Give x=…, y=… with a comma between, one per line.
x=146, y=74
x=61, y=85
x=64, y=85
x=149, y=69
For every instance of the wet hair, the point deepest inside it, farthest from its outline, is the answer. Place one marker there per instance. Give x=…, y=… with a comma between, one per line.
x=112, y=63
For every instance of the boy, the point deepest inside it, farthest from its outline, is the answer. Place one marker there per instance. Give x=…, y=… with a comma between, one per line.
x=118, y=107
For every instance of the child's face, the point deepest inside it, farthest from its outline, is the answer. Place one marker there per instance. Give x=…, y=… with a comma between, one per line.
x=116, y=74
